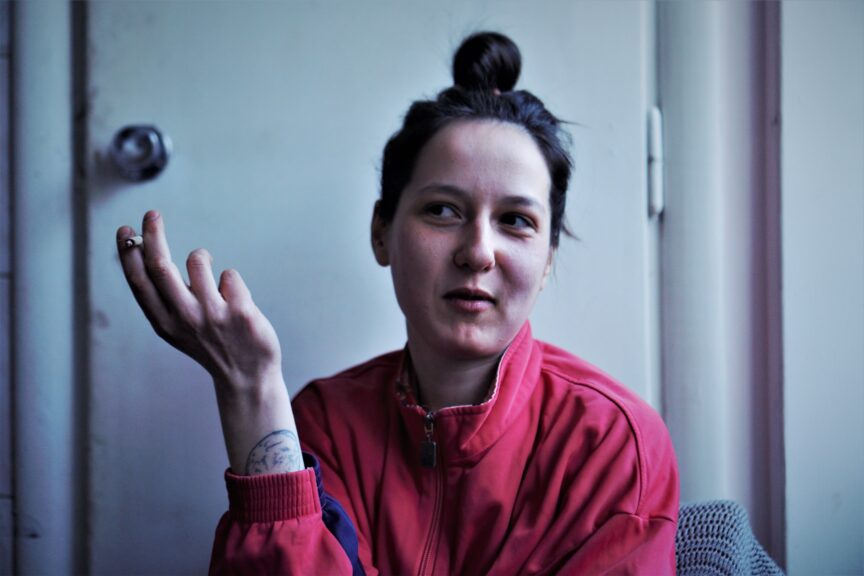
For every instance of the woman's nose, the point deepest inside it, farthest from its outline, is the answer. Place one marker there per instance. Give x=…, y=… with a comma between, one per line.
x=476, y=250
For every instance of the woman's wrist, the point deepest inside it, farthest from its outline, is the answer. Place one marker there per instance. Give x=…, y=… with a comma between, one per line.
x=259, y=429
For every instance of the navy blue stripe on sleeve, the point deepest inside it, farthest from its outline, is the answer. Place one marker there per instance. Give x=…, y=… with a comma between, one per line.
x=336, y=519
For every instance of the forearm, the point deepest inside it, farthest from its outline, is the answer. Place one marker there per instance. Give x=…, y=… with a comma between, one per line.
x=258, y=426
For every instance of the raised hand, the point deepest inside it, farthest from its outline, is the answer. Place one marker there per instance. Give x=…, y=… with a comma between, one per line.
x=221, y=328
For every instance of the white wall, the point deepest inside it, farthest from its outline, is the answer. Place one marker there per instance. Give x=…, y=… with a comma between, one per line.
x=823, y=283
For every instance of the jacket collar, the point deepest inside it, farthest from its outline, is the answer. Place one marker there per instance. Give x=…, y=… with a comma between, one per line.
x=465, y=432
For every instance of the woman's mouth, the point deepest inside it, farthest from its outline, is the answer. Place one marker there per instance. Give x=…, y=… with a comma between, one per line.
x=469, y=300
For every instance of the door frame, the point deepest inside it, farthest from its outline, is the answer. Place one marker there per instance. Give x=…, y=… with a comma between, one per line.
x=48, y=473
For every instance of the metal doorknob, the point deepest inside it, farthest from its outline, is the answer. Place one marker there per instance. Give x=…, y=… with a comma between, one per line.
x=141, y=152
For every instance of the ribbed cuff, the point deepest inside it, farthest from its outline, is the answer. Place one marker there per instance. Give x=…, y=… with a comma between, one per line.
x=272, y=497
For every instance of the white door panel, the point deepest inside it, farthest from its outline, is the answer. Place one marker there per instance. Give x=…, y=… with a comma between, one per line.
x=278, y=112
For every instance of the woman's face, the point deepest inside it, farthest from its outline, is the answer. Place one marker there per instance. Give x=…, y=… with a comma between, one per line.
x=469, y=244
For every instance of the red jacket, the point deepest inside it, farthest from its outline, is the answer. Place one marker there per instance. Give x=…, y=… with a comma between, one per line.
x=561, y=471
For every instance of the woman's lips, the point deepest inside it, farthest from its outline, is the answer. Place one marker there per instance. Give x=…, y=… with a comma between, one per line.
x=469, y=300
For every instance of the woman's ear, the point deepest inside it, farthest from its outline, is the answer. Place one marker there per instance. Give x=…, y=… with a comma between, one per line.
x=379, y=236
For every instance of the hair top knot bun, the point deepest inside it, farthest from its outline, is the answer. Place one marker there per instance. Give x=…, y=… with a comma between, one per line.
x=487, y=61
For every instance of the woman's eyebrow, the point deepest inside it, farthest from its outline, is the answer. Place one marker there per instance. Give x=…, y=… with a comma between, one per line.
x=525, y=202
x=518, y=200
x=447, y=189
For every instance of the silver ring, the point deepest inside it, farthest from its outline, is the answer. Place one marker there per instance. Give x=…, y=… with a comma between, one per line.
x=133, y=241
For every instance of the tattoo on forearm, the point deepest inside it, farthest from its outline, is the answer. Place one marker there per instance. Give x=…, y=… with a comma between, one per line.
x=277, y=452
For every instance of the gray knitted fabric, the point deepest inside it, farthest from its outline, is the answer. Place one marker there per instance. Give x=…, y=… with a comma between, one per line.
x=714, y=538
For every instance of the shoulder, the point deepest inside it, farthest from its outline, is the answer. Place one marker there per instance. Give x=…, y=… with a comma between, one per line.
x=345, y=386
x=619, y=421
x=580, y=378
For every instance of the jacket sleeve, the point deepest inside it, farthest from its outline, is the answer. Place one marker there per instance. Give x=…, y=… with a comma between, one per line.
x=283, y=524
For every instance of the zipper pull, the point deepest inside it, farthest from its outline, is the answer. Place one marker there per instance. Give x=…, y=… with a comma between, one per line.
x=428, y=448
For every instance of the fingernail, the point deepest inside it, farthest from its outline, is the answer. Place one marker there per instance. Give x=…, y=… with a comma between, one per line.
x=151, y=215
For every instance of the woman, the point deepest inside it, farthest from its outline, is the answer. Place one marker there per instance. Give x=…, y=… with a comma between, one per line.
x=476, y=449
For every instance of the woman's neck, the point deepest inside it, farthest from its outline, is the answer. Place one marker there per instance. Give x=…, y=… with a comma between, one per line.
x=441, y=383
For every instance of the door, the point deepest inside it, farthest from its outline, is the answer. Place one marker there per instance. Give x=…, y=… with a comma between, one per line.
x=278, y=113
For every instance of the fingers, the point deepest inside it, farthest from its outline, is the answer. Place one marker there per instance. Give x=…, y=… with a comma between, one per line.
x=142, y=287
x=234, y=290
x=162, y=270
x=199, y=266
x=155, y=242
x=217, y=325
x=156, y=281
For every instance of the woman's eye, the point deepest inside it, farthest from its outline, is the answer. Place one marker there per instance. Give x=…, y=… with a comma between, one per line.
x=517, y=221
x=440, y=211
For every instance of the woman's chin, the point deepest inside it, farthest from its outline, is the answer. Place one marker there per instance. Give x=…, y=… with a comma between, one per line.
x=475, y=344
x=461, y=340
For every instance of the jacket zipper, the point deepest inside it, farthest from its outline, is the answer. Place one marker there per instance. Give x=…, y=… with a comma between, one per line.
x=429, y=457
x=428, y=448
